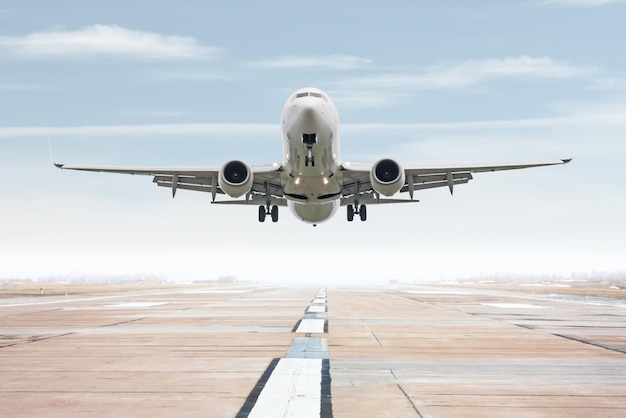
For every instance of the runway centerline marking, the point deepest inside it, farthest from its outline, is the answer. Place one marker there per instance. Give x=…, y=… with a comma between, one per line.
x=312, y=325
x=299, y=384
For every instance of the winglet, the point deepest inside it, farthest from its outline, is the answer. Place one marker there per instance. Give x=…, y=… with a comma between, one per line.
x=566, y=160
x=51, y=157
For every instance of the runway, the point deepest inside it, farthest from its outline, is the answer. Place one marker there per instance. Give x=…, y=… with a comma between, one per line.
x=254, y=350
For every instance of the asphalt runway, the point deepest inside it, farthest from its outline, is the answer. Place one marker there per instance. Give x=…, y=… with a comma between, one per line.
x=260, y=351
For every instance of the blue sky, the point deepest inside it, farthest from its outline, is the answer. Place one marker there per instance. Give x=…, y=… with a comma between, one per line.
x=193, y=83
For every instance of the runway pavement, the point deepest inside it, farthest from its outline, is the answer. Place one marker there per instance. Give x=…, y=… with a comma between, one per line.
x=260, y=351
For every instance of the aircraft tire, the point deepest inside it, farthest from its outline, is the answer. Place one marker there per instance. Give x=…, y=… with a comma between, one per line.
x=350, y=213
x=363, y=213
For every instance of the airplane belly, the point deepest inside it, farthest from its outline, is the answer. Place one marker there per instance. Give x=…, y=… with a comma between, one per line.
x=314, y=214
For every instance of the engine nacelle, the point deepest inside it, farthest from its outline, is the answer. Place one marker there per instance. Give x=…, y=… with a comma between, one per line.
x=387, y=177
x=235, y=178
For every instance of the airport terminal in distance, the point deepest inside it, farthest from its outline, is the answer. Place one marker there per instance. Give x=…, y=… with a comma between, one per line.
x=260, y=350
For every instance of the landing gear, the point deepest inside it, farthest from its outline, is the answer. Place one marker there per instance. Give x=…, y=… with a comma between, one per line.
x=309, y=140
x=309, y=159
x=350, y=213
x=273, y=212
x=360, y=210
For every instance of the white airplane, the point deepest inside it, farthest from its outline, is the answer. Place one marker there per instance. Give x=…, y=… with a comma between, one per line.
x=312, y=181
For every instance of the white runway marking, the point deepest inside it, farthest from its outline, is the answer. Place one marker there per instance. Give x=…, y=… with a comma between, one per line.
x=436, y=292
x=293, y=390
x=515, y=306
x=311, y=325
x=316, y=309
x=319, y=301
x=136, y=305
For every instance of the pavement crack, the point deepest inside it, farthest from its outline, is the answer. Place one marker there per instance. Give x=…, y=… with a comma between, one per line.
x=121, y=323
x=408, y=398
x=35, y=338
x=580, y=340
x=377, y=340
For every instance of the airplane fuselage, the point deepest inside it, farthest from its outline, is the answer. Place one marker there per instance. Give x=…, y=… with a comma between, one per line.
x=310, y=130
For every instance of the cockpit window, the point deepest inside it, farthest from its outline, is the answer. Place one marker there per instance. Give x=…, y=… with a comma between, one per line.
x=312, y=94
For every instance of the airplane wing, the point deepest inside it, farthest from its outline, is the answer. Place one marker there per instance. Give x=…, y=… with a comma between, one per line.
x=266, y=180
x=357, y=178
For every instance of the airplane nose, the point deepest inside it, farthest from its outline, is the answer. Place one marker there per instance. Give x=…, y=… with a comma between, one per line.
x=307, y=118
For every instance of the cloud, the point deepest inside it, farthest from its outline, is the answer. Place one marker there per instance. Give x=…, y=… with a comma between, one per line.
x=148, y=129
x=367, y=99
x=609, y=83
x=607, y=116
x=207, y=75
x=110, y=40
x=473, y=72
x=328, y=62
x=582, y=3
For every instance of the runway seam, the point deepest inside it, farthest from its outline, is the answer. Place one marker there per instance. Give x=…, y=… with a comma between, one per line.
x=377, y=340
x=34, y=339
x=590, y=343
x=408, y=398
x=121, y=323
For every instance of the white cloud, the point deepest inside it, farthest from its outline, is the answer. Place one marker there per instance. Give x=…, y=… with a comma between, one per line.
x=111, y=40
x=473, y=72
x=582, y=3
x=367, y=99
x=151, y=129
x=609, y=84
x=329, y=62
x=187, y=75
x=602, y=116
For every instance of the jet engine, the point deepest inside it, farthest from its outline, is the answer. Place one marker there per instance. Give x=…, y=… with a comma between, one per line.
x=387, y=177
x=235, y=178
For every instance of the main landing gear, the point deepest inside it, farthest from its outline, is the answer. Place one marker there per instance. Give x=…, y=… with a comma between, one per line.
x=272, y=211
x=360, y=210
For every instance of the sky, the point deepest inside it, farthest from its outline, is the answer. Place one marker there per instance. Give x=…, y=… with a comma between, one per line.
x=194, y=83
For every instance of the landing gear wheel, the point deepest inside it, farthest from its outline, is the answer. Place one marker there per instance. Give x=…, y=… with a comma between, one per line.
x=363, y=213
x=261, y=213
x=274, y=213
x=350, y=213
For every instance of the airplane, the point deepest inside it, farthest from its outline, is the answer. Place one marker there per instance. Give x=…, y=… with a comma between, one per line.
x=312, y=181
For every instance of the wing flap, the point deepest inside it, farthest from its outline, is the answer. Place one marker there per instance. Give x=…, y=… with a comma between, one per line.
x=431, y=181
x=254, y=200
x=370, y=199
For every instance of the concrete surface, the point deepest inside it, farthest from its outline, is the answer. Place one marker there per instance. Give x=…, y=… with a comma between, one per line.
x=390, y=352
